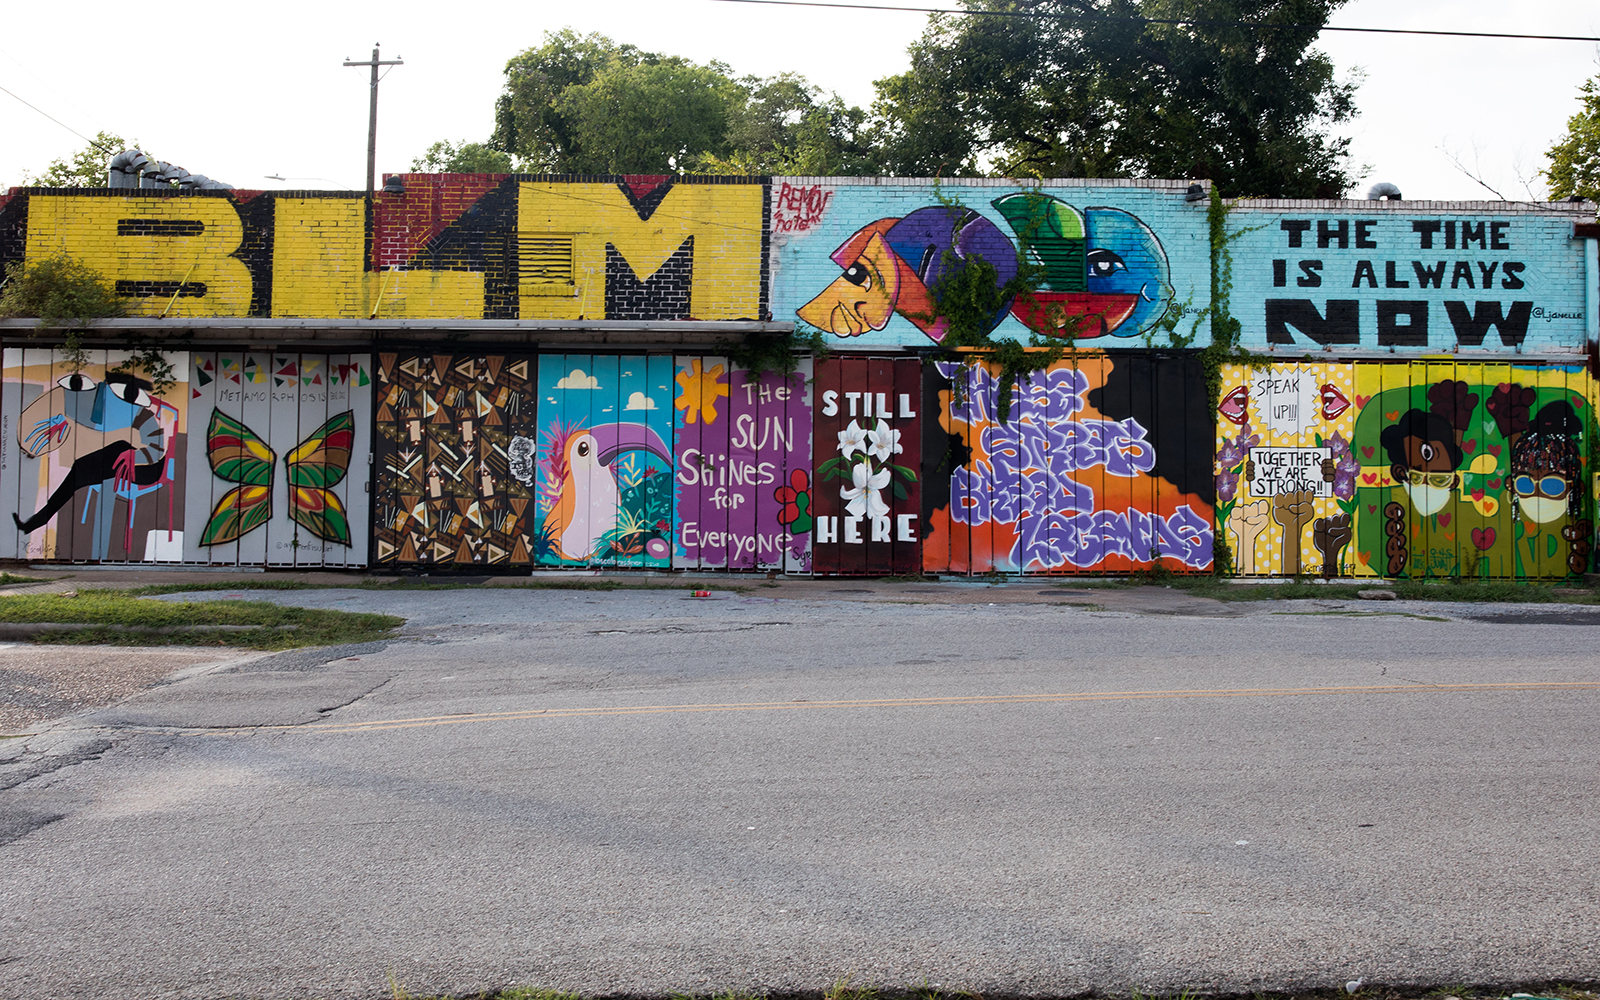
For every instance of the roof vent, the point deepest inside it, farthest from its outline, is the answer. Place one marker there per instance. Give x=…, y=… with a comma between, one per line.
x=133, y=169
x=1383, y=191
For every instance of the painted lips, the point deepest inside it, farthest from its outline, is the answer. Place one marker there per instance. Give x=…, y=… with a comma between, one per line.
x=1233, y=405
x=1333, y=402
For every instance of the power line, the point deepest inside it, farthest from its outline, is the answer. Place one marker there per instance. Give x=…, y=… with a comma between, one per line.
x=93, y=142
x=1158, y=20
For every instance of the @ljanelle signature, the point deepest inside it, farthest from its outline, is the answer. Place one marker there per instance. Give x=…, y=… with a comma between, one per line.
x=1550, y=316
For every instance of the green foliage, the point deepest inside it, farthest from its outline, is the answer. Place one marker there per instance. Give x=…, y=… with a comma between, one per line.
x=760, y=353
x=1105, y=96
x=586, y=104
x=445, y=157
x=133, y=621
x=87, y=167
x=647, y=117
x=1225, y=329
x=60, y=291
x=969, y=298
x=1575, y=160
x=784, y=125
x=64, y=294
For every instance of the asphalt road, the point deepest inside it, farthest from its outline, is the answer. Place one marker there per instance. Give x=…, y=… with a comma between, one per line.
x=642, y=793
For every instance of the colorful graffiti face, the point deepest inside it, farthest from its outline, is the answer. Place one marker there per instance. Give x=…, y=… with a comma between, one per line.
x=1103, y=271
x=897, y=266
x=107, y=432
x=101, y=438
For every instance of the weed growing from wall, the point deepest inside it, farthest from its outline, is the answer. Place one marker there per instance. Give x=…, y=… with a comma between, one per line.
x=780, y=353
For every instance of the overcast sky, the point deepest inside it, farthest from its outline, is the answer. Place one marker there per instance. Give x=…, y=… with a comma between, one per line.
x=241, y=92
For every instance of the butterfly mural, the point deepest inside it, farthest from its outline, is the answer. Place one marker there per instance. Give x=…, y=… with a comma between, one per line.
x=240, y=455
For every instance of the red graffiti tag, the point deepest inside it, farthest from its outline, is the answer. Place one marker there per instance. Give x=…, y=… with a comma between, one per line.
x=797, y=209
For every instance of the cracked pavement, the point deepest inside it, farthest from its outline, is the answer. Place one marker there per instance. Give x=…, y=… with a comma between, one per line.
x=1014, y=790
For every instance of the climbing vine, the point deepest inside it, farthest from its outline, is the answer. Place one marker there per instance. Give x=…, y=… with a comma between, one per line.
x=971, y=300
x=1224, y=347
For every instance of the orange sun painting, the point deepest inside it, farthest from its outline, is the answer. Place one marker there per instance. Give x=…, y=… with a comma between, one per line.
x=701, y=390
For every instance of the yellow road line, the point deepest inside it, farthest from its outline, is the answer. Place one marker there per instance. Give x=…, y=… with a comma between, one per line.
x=1020, y=699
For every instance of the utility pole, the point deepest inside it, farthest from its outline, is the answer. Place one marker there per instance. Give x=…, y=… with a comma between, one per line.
x=372, y=120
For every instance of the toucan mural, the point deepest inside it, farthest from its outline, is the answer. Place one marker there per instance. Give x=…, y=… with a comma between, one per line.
x=604, y=464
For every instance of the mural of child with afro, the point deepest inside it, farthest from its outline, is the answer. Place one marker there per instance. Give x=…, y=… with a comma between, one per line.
x=1424, y=449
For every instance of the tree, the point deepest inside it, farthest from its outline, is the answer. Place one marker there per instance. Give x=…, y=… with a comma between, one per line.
x=785, y=125
x=87, y=167
x=649, y=117
x=444, y=157
x=1575, y=160
x=1086, y=88
x=586, y=104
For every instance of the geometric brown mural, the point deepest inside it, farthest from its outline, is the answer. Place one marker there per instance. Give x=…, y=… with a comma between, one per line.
x=454, y=457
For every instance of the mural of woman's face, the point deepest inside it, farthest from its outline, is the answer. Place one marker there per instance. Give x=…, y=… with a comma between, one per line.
x=862, y=298
x=79, y=400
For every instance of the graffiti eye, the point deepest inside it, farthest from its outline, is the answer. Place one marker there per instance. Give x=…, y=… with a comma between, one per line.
x=856, y=274
x=130, y=393
x=1427, y=452
x=1103, y=263
x=77, y=382
x=583, y=449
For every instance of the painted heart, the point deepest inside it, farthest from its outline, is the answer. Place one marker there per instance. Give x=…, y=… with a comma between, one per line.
x=1577, y=402
x=1477, y=494
x=1483, y=538
x=1370, y=478
x=1372, y=508
x=1494, y=483
x=1444, y=520
x=1450, y=535
x=1393, y=415
x=1362, y=401
x=1365, y=557
x=1494, y=450
x=1367, y=452
x=1470, y=445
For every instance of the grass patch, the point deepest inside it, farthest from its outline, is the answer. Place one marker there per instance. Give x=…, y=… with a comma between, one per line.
x=1471, y=592
x=265, y=626
x=13, y=580
x=444, y=583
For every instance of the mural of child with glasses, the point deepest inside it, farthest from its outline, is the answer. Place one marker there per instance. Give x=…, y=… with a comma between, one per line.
x=1546, y=480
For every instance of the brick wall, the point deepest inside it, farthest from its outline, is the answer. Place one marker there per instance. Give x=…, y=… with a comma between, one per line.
x=1411, y=277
